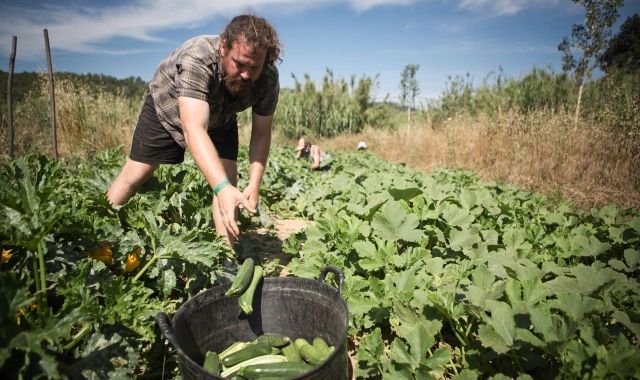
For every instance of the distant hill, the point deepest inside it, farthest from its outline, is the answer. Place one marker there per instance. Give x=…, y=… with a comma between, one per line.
x=23, y=82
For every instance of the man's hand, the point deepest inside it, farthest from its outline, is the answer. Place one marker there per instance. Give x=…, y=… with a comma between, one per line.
x=252, y=195
x=227, y=201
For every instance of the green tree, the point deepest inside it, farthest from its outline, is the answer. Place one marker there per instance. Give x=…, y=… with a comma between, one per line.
x=409, y=88
x=588, y=41
x=623, y=52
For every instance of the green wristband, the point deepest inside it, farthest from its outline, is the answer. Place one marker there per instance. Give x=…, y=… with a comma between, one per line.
x=221, y=185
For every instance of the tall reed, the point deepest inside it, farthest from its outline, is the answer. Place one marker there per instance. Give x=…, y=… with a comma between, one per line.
x=337, y=107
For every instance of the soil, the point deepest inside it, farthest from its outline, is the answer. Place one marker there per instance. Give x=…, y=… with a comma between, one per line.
x=268, y=241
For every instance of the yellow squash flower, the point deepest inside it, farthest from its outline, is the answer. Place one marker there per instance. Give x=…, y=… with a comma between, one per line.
x=133, y=260
x=103, y=253
x=20, y=315
x=6, y=256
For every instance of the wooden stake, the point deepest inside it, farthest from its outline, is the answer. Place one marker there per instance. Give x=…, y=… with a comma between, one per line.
x=12, y=62
x=52, y=96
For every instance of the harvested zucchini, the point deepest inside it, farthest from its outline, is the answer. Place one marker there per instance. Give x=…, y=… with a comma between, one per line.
x=250, y=351
x=237, y=346
x=212, y=362
x=242, y=279
x=273, y=340
x=320, y=345
x=257, y=360
x=309, y=353
x=246, y=299
x=282, y=370
x=291, y=352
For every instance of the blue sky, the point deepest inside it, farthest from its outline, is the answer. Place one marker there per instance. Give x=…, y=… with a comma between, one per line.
x=447, y=38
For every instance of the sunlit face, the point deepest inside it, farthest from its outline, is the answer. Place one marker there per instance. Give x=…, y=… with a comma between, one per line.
x=242, y=65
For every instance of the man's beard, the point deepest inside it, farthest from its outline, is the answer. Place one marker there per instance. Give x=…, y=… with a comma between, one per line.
x=237, y=86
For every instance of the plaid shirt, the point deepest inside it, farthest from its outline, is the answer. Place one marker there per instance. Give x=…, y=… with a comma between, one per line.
x=194, y=70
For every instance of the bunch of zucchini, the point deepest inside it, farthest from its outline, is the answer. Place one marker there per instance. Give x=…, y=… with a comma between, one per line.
x=245, y=283
x=269, y=356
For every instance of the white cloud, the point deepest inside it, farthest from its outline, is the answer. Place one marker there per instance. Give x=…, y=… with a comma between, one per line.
x=501, y=7
x=364, y=5
x=86, y=30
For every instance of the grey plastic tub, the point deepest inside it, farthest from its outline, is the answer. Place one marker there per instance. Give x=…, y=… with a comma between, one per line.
x=293, y=306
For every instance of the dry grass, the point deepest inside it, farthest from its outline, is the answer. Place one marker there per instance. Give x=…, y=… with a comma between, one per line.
x=89, y=125
x=590, y=165
x=86, y=121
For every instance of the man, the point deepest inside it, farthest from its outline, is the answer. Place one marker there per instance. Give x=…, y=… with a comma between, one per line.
x=316, y=156
x=194, y=97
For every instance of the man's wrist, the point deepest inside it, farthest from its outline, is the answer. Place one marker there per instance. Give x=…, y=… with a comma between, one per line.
x=221, y=185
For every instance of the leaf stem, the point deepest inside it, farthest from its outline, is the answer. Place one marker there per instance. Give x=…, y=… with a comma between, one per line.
x=148, y=264
x=453, y=365
x=37, y=281
x=43, y=276
x=78, y=337
x=145, y=268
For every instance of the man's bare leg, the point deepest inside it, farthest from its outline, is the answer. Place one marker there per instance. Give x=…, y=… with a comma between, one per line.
x=231, y=168
x=132, y=175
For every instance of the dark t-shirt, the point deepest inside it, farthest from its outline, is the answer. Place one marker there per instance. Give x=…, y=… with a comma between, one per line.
x=194, y=70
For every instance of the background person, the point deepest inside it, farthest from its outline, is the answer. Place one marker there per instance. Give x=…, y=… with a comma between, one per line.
x=306, y=149
x=194, y=97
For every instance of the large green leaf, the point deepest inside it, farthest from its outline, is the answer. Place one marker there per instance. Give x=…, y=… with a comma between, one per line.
x=193, y=251
x=491, y=339
x=551, y=326
x=405, y=194
x=107, y=354
x=457, y=216
x=623, y=317
x=515, y=239
x=533, y=291
x=590, y=245
x=369, y=259
x=632, y=258
x=502, y=320
x=361, y=304
x=420, y=338
x=464, y=240
x=620, y=359
x=394, y=223
x=369, y=354
x=400, y=354
x=577, y=306
x=440, y=357
x=584, y=280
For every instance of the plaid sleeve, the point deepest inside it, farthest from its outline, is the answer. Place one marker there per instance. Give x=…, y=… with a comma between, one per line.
x=268, y=100
x=192, y=79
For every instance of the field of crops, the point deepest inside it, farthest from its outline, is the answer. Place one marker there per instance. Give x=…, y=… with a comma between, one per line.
x=446, y=276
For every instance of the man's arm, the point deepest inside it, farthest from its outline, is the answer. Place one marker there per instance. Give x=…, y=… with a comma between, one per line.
x=315, y=154
x=258, y=154
x=194, y=116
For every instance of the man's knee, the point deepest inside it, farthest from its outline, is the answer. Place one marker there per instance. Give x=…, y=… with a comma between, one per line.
x=132, y=176
x=136, y=173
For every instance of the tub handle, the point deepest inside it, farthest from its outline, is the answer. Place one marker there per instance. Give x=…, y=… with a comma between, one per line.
x=333, y=269
x=167, y=330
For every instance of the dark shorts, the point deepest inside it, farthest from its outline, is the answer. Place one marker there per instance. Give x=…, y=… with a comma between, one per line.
x=152, y=144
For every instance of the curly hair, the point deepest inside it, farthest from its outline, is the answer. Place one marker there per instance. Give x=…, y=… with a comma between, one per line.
x=256, y=31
